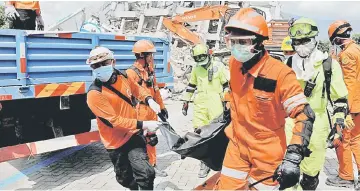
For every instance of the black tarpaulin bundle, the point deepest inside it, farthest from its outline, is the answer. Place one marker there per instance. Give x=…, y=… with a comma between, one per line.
x=209, y=146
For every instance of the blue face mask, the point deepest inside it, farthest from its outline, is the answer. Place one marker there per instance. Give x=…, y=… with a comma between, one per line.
x=242, y=53
x=103, y=73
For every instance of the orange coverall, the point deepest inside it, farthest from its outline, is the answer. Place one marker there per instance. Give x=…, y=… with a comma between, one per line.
x=116, y=119
x=349, y=60
x=32, y=5
x=260, y=100
x=144, y=112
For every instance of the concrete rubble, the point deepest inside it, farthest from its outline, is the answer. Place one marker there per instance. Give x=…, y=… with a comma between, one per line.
x=145, y=18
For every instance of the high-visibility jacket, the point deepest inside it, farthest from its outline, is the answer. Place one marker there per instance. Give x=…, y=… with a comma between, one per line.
x=318, y=101
x=208, y=101
x=350, y=64
x=32, y=5
x=116, y=117
x=199, y=81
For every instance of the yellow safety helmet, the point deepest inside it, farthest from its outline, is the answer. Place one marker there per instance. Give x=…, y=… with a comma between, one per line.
x=286, y=44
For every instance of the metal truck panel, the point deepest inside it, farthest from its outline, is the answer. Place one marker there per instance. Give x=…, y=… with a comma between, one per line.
x=31, y=59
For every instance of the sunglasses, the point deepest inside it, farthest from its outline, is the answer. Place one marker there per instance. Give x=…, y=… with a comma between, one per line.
x=303, y=41
x=200, y=58
x=98, y=65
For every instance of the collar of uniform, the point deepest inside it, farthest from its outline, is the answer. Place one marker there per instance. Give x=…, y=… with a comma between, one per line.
x=254, y=71
x=348, y=44
x=139, y=64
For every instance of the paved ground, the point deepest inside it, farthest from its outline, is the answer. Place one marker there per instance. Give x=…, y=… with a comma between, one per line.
x=89, y=167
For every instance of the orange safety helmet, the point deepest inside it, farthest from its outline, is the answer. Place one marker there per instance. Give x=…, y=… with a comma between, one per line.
x=143, y=46
x=338, y=28
x=249, y=20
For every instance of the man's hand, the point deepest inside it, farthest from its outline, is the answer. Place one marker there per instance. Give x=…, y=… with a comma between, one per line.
x=288, y=172
x=11, y=13
x=335, y=137
x=185, y=108
x=151, y=126
x=165, y=113
x=154, y=106
x=349, y=123
x=40, y=23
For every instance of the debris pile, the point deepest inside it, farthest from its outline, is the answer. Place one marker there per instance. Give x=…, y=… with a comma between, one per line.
x=145, y=18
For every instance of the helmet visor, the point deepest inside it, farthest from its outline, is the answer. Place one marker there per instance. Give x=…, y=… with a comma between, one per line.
x=301, y=30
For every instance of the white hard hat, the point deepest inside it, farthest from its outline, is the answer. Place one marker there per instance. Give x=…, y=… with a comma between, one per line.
x=99, y=54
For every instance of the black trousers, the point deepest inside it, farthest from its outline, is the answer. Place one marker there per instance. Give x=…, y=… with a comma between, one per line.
x=26, y=21
x=131, y=164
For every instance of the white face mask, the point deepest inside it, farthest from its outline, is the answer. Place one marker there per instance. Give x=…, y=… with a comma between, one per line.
x=243, y=53
x=103, y=73
x=305, y=50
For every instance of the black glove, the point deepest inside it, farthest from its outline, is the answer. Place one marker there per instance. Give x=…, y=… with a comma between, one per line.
x=288, y=172
x=152, y=139
x=165, y=113
x=185, y=108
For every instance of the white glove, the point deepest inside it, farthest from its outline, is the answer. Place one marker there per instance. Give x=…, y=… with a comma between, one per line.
x=11, y=13
x=40, y=23
x=154, y=106
x=151, y=126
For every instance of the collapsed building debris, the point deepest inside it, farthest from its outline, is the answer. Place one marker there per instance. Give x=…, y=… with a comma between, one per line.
x=146, y=18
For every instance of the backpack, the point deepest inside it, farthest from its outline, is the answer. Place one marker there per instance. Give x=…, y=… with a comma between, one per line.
x=327, y=67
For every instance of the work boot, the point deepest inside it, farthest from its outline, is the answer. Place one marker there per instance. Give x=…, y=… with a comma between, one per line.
x=339, y=182
x=204, y=170
x=159, y=173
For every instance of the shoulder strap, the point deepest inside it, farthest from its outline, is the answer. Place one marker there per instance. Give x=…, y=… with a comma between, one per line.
x=137, y=71
x=289, y=62
x=97, y=85
x=327, y=67
x=122, y=96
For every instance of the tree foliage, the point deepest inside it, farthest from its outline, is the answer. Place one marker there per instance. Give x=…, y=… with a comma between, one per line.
x=324, y=46
x=356, y=38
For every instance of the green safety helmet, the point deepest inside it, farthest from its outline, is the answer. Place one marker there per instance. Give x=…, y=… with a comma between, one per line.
x=303, y=28
x=200, y=53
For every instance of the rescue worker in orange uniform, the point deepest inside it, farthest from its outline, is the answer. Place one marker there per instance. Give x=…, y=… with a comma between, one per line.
x=142, y=73
x=264, y=91
x=109, y=98
x=25, y=15
x=348, y=54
